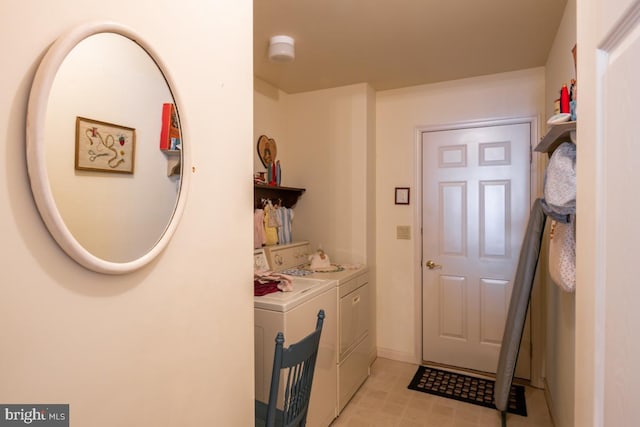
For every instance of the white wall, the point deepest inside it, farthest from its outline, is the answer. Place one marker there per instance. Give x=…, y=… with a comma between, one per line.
x=560, y=306
x=325, y=145
x=372, y=216
x=328, y=149
x=398, y=115
x=270, y=119
x=170, y=344
x=560, y=68
x=590, y=335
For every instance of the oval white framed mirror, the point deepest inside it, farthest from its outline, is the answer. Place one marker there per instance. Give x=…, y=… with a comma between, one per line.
x=107, y=193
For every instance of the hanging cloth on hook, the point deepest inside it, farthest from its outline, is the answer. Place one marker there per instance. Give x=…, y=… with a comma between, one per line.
x=274, y=219
x=259, y=237
x=285, y=216
x=270, y=231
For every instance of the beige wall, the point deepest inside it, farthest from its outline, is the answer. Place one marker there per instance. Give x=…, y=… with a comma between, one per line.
x=560, y=68
x=325, y=145
x=172, y=343
x=329, y=144
x=399, y=114
x=560, y=306
x=270, y=119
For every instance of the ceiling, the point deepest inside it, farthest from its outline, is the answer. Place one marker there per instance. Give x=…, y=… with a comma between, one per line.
x=398, y=43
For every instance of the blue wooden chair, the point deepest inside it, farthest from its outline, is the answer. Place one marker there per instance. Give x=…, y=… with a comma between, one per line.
x=299, y=362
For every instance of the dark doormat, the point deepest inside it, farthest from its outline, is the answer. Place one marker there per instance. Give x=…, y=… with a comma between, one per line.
x=465, y=388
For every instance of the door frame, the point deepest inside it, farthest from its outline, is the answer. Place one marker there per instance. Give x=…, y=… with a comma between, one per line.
x=536, y=171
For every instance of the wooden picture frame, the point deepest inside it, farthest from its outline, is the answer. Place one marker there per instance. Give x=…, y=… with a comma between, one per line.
x=104, y=147
x=402, y=195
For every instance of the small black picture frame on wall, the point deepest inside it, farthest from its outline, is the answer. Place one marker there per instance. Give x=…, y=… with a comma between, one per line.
x=402, y=196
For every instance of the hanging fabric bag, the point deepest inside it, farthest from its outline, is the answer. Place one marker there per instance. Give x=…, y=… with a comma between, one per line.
x=562, y=254
x=560, y=181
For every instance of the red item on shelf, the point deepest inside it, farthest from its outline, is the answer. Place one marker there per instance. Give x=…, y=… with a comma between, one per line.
x=564, y=100
x=169, y=132
x=272, y=169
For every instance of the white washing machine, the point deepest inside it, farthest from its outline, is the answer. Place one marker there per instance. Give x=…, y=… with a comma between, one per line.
x=295, y=315
x=353, y=353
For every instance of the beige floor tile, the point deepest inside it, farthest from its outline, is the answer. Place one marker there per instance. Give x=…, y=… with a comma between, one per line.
x=385, y=401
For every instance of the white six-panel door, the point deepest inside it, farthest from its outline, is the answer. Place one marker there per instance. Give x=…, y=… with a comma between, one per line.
x=475, y=207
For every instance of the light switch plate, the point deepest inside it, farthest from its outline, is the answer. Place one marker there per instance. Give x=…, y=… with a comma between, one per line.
x=403, y=232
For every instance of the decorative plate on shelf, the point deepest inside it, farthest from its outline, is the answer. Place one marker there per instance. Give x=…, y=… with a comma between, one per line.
x=267, y=150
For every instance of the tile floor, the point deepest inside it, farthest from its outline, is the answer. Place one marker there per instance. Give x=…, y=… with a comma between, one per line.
x=385, y=400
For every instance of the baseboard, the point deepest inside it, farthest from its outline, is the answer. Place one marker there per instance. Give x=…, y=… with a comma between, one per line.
x=399, y=356
x=373, y=355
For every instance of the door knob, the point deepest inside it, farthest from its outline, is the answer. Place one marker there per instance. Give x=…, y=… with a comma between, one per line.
x=432, y=265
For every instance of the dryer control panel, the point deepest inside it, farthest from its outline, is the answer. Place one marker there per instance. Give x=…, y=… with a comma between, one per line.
x=282, y=257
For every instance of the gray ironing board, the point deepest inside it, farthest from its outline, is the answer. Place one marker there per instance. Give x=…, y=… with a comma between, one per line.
x=529, y=254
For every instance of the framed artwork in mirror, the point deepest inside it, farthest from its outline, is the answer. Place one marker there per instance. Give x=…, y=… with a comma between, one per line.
x=104, y=147
x=402, y=196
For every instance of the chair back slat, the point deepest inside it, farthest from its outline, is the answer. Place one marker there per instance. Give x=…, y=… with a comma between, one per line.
x=299, y=361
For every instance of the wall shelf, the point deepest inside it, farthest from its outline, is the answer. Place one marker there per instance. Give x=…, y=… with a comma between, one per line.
x=288, y=195
x=556, y=135
x=173, y=161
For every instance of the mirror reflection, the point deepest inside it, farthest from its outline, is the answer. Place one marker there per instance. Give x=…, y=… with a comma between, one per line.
x=120, y=200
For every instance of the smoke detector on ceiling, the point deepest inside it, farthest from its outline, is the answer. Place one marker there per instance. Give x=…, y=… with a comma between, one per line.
x=281, y=49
